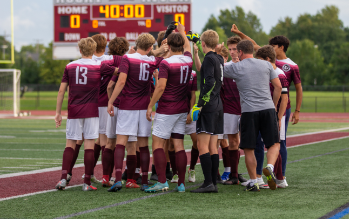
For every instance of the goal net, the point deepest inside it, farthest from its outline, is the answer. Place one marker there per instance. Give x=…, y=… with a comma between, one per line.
x=10, y=91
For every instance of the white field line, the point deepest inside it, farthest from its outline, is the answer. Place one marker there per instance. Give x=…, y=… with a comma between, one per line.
x=43, y=163
x=10, y=149
x=319, y=132
x=7, y=136
x=19, y=167
x=35, y=193
x=28, y=158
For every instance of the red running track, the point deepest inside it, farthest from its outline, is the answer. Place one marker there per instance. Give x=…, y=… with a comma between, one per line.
x=20, y=185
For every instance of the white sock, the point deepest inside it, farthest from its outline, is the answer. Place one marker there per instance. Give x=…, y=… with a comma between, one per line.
x=227, y=169
x=137, y=170
x=271, y=167
x=259, y=179
x=253, y=181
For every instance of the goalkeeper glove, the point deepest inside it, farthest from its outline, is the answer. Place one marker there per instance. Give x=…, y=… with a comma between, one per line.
x=170, y=29
x=194, y=37
x=195, y=112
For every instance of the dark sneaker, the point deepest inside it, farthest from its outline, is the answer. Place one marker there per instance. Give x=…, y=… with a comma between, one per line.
x=270, y=177
x=116, y=187
x=254, y=188
x=205, y=189
x=232, y=181
x=139, y=181
x=124, y=175
x=241, y=178
x=219, y=179
x=144, y=187
x=215, y=189
x=154, y=177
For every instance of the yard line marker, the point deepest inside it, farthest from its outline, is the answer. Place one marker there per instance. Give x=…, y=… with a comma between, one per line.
x=337, y=213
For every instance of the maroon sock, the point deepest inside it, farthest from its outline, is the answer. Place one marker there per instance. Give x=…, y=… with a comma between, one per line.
x=181, y=162
x=278, y=168
x=67, y=160
x=239, y=155
x=194, y=158
x=160, y=164
x=119, y=155
x=137, y=175
x=145, y=160
x=107, y=159
x=225, y=156
x=131, y=162
x=234, y=157
x=89, y=161
x=111, y=167
x=97, y=150
x=75, y=157
x=172, y=155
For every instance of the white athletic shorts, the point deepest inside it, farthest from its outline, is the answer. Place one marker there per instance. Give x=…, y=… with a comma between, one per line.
x=221, y=136
x=164, y=125
x=133, y=123
x=282, y=128
x=111, y=126
x=88, y=126
x=103, y=118
x=190, y=128
x=231, y=123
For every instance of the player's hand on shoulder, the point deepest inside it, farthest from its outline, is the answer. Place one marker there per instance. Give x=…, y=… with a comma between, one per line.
x=58, y=120
x=156, y=74
x=132, y=50
x=219, y=48
x=110, y=109
x=149, y=112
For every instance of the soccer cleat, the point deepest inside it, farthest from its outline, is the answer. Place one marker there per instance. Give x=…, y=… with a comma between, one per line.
x=261, y=184
x=124, y=175
x=180, y=188
x=270, y=177
x=232, y=181
x=281, y=183
x=139, y=180
x=131, y=183
x=286, y=182
x=116, y=187
x=105, y=181
x=158, y=187
x=174, y=179
x=215, y=189
x=68, y=178
x=241, y=178
x=61, y=184
x=205, y=189
x=219, y=179
x=225, y=176
x=86, y=187
x=112, y=181
x=94, y=179
x=191, y=175
x=246, y=183
x=144, y=187
x=254, y=188
x=154, y=177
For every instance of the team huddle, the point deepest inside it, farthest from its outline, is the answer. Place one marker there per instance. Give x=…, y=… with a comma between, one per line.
x=243, y=104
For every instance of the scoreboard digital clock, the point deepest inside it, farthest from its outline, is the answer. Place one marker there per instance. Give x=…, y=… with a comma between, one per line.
x=76, y=19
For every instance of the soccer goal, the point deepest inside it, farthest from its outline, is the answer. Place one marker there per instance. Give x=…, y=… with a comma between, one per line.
x=10, y=91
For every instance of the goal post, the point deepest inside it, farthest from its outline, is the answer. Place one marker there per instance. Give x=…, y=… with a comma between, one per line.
x=12, y=47
x=10, y=91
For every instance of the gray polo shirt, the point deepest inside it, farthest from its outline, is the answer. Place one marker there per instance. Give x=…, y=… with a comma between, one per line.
x=252, y=77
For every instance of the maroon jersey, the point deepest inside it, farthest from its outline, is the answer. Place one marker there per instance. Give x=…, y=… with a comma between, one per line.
x=107, y=69
x=83, y=77
x=177, y=70
x=284, y=83
x=192, y=86
x=137, y=90
x=291, y=71
x=230, y=96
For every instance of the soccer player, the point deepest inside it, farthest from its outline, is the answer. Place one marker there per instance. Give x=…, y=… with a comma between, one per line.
x=83, y=78
x=172, y=111
x=267, y=53
x=291, y=70
x=135, y=83
x=210, y=120
x=252, y=78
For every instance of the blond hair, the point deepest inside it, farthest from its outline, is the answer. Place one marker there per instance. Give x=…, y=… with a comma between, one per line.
x=225, y=52
x=145, y=41
x=87, y=46
x=211, y=38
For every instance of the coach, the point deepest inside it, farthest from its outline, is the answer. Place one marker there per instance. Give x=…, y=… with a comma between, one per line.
x=252, y=77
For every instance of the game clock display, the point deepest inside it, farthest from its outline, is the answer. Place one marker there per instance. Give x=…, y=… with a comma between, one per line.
x=76, y=19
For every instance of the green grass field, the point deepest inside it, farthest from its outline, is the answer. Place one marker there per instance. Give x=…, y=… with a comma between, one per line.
x=317, y=185
x=313, y=101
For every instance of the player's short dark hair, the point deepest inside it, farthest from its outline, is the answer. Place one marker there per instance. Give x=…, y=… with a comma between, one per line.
x=266, y=52
x=280, y=41
x=176, y=42
x=101, y=42
x=161, y=35
x=245, y=46
x=118, y=46
x=225, y=52
x=233, y=40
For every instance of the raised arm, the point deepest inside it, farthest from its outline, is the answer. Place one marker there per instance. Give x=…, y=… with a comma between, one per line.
x=181, y=30
x=234, y=29
x=197, y=58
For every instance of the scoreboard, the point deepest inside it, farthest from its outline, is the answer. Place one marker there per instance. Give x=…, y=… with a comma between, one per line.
x=76, y=19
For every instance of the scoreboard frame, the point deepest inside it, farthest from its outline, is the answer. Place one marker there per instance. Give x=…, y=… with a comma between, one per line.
x=113, y=21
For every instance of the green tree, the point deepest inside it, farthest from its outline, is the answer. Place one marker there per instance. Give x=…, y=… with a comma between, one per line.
x=340, y=63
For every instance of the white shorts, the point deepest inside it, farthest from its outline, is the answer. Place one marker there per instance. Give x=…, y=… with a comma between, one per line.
x=231, y=123
x=190, y=128
x=103, y=118
x=111, y=126
x=88, y=126
x=221, y=136
x=164, y=125
x=133, y=123
x=282, y=128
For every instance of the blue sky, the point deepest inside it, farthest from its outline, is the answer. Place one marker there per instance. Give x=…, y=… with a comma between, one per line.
x=34, y=18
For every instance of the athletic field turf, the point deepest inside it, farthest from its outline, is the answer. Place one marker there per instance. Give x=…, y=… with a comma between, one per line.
x=316, y=173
